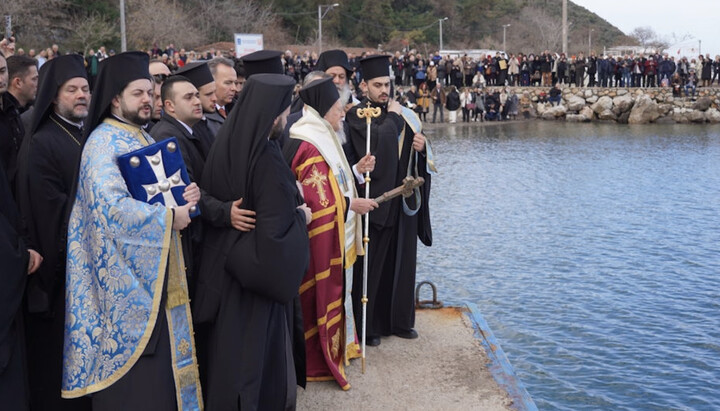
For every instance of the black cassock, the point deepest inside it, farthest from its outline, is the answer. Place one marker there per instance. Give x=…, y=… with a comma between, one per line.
x=195, y=147
x=14, y=258
x=254, y=277
x=393, y=233
x=47, y=164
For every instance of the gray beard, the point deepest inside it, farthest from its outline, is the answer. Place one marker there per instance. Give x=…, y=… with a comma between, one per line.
x=341, y=133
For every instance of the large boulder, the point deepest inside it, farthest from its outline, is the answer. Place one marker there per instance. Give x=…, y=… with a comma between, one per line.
x=591, y=100
x=588, y=112
x=679, y=115
x=541, y=108
x=604, y=103
x=576, y=118
x=696, y=116
x=644, y=111
x=553, y=113
x=665, y=120
x=702, y=104
x=607, y=115
x=622, y=104
x=575, y=103
x=712, y=116
x=623, y=117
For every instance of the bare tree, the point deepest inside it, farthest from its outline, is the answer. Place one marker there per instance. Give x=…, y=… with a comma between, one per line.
x=91, y=31
x=218, y=20
x=643, y=35
x=161, y=21
x=545, y=31
x=37, y=23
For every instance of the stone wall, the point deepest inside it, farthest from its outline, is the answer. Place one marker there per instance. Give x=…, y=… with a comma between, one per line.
x=622, y=105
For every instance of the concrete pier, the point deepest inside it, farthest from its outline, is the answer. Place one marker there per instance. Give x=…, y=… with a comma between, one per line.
x=446, y=368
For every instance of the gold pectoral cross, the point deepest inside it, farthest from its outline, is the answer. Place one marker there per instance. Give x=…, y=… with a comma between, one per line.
x=317, y=180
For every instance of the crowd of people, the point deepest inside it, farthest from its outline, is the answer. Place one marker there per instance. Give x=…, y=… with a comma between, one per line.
x=134, y=280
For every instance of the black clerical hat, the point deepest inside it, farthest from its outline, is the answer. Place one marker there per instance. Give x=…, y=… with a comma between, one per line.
x=53, y=74
x=375, y=66
x=263, y=61
x=114, y=74
x=332, y=58
x=320, y=95
x=198, y=73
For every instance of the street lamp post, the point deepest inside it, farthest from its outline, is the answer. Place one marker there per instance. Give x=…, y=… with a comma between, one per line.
x=322, y=14
x=123, y=33
x=441, y=43
x=504, y=26
x=564, y=28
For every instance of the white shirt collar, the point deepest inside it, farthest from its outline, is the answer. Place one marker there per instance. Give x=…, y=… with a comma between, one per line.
x=78, y=125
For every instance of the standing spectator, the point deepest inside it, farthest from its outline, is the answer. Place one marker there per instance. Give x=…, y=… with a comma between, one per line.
x=479, y=99
x=716, y=69
x=626, y=70
x=638, y=70
x=465, y=101
x=441, y=74
x=423, y=101
x=420, y=74
x=502, y=68
x=580, y=64
x=439, y=99
x=397, y=68
x=650, y=71
x=468, y=69
x=591, y=69
x=561, y=68
x=453, y=104
x=513, y=69
x=706, y=74
x=512, y=105
x=432, y=73
x=525, y=68
x=546, y=68
x=604, y=70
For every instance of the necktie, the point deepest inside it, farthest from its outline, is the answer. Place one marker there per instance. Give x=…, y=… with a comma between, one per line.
x=222, y=112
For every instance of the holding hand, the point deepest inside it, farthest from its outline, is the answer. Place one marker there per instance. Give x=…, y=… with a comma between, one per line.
x=7, y=46
x=181, y=216
x=34, y=261
x=308, y=213
x=240, y=218
x=419, y=142
x=362, y=206
x=395, y=107
x=191, y=193
x=366, y=164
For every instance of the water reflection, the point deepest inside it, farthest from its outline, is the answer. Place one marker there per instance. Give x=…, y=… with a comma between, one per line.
x=592, y=249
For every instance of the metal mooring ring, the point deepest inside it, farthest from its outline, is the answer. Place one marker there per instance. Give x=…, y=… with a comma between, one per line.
x=434, y=303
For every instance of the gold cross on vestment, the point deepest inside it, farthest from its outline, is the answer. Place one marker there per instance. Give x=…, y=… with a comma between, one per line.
x=317, y=180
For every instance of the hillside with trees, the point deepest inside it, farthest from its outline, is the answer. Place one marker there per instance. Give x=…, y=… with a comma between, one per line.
x=393, y=24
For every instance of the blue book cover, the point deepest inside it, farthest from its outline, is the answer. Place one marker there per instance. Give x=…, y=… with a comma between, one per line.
x=157, y=174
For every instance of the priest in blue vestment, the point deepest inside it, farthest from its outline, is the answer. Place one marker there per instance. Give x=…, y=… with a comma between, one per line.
x=128, y=330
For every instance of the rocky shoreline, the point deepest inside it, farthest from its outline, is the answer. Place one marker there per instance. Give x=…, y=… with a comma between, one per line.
x=621, y=105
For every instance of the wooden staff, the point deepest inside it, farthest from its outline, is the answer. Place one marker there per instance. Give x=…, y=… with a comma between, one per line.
x=368, y=114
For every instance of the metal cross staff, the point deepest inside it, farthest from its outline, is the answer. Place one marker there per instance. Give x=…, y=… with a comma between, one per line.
x=368, y=114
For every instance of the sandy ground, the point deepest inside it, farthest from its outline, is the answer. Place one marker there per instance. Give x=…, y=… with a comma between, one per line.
x=444, y=369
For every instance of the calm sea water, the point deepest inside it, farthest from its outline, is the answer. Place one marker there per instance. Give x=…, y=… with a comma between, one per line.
x=593, y=251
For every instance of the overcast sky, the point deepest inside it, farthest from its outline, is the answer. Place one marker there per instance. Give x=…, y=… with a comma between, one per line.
x=699, y=18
